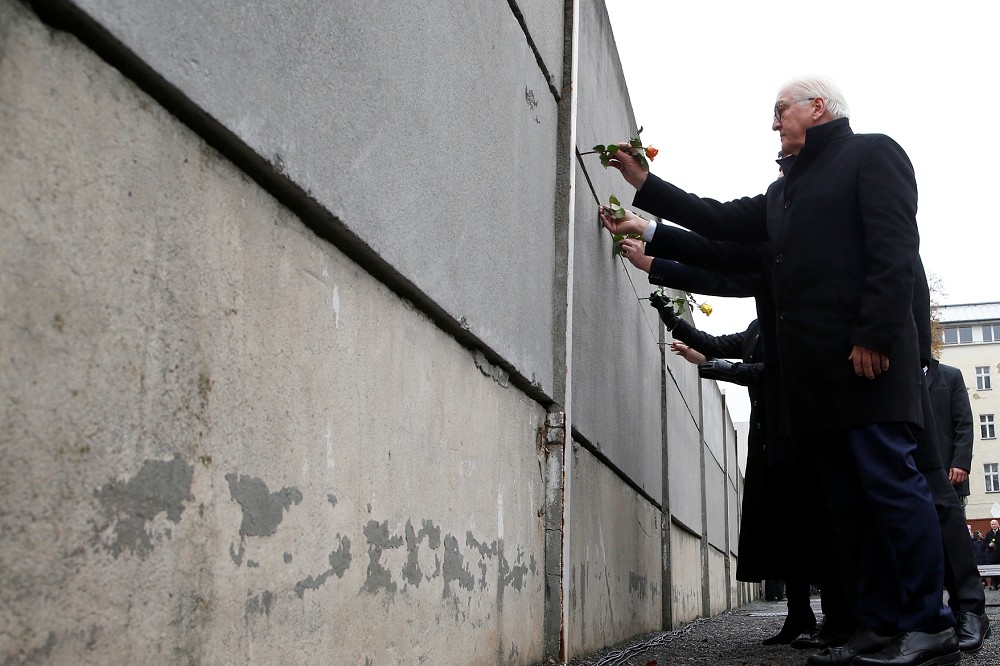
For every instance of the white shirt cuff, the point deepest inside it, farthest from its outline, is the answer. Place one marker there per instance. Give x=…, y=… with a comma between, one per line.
x=647, y=233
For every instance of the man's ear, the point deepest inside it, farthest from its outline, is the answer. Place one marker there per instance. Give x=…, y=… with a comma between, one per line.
x=818, y=108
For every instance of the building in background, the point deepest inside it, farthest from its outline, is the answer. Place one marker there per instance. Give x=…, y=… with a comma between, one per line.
x=971, y=337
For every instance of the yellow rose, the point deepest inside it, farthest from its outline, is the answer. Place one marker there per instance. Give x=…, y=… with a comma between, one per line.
x=706, y=308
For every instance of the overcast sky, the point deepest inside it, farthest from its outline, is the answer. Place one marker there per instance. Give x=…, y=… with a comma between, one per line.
x=703, y=77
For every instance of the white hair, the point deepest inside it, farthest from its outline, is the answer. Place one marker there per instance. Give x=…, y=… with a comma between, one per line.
x=805, y=87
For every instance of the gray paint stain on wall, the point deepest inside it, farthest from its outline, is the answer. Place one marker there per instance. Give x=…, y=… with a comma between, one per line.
x=455, y=567
x=637, y=585
x=260, y=604
x=160, y=486
x=340, y=560
x=378, y=540
x=263, y=510
x=411, y=570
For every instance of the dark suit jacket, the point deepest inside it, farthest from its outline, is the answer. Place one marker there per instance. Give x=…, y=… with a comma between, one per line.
x=840, y=242
x=953, y=416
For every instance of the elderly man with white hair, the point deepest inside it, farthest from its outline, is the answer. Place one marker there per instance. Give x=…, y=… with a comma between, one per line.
x=841, y=244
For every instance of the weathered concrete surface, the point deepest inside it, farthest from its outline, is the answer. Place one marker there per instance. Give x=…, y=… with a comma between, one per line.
x=733, y=480
x=715, y=502
x=715, y=415
x=716, y=485
x=544, y=22
x=717, y=599
x=615, y=573
x=615, y=335
x=686, y=503
x=225, y=441
x=428, y=130
x=222, y=441
x=685, y=575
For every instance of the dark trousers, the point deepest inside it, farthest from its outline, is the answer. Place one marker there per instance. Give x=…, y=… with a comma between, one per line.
x=886, y=528
x=961, y=575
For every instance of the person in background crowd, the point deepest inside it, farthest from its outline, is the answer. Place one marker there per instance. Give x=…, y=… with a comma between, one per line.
x=992, y=540
x=979, y=550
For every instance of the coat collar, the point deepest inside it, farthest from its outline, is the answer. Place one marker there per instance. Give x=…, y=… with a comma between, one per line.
x=819, y=136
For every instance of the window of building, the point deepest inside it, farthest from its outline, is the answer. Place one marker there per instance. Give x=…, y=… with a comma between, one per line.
x=958, y=335
x=992, y=474
x=991, y=333
x=983, y=378
x=987, y=429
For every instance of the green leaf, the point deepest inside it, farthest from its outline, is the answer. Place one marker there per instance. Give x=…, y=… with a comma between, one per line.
x=642, y=161
x=619, y=213
x=604, y=160
x=614, y=200
x=612, y=149
x=599, y=148
x=635, y=143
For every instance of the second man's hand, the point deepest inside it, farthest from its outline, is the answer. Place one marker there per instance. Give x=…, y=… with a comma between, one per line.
x=629, y=166
x=635, y=251
x=630, y=224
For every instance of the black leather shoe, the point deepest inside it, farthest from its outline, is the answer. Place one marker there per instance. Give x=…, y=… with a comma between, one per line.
x=915, y=648
x=825, y=636
x=972, y=630
x=862, y=641
x=793, y=627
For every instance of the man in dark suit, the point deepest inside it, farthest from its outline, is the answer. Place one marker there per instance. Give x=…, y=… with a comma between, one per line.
x=953, y=415
x=839, y=232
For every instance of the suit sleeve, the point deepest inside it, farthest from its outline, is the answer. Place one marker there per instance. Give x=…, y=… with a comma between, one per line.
x=712, y=346
x=961, y=423
x=695, y=250
x=887, y=198
x=744, y=374
x=743, y=220
x=668, y=273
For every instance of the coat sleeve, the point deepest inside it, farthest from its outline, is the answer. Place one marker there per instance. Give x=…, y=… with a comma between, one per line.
x=887, y=198
x=667, y=273
x=743, y=220
x=744, y=374
x=961, y=422
x=712, y=346
x=695, y=250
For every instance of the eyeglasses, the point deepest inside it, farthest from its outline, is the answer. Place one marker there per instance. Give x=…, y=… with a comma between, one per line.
x=779, y=110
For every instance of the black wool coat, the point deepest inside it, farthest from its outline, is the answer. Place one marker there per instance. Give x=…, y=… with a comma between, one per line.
x=841, y=242
x=765, y=548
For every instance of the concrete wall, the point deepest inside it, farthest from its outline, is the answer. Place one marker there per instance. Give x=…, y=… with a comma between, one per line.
x=615, y=591
x=686, y=575
x=295, y=303
x=718, y=594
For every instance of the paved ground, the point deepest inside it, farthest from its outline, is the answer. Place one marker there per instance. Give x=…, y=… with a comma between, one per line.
x=733, y=639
